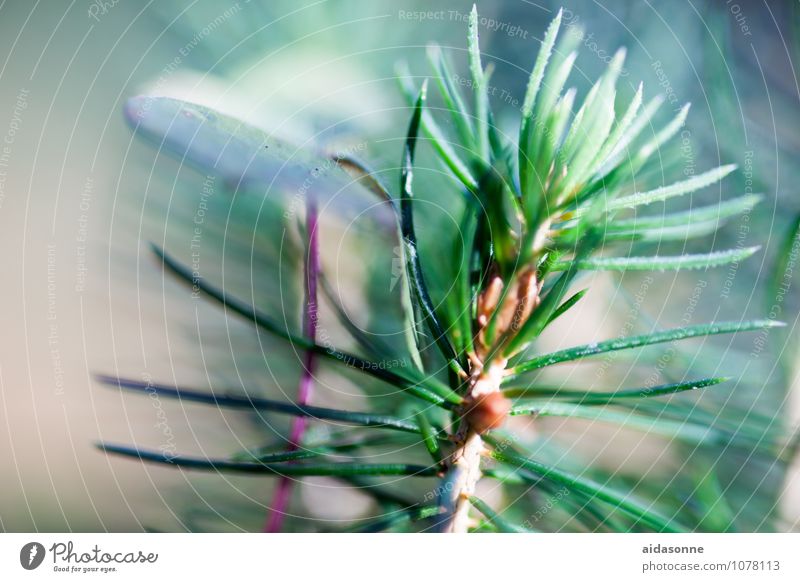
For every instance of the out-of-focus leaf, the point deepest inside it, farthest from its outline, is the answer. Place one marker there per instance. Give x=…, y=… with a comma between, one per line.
x=248, y=158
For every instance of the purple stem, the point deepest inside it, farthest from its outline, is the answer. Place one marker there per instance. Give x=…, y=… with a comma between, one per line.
x=283, y=492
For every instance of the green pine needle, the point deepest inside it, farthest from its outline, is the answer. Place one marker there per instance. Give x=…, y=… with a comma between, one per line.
x=280, y=469
x=626, y=343
x=659, y=263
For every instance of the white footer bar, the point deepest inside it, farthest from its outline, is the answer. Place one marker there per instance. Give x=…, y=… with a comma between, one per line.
x=406, y=557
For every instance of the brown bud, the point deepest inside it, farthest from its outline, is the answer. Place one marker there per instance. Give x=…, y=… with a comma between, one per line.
x=487, y=411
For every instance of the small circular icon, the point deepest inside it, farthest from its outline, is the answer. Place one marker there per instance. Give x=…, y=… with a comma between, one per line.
x=31, y=555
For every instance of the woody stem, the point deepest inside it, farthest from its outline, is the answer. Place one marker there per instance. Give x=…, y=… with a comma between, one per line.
x=464, y=468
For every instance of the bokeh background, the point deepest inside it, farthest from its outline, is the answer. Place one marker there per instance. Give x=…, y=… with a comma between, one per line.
x=80, y=199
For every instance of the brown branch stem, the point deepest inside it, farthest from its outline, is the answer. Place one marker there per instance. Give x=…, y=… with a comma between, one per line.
x=485, y=409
